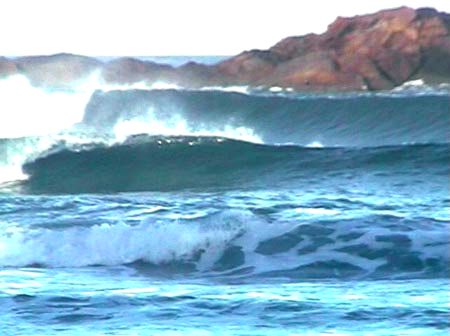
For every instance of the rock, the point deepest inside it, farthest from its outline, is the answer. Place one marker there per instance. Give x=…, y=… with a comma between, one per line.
x=58, y=71
x=7, y=67
x=384, y=43
x=435, y=68
x=128, y=70
x=198, y=75
x=296, y=46
x=434, y=33
x=131, y=70
x=314, y=71
x=370, y=73
x=249, y=67
x=376, y=51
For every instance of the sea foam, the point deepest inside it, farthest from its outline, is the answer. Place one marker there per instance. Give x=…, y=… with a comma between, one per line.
x=232, y=240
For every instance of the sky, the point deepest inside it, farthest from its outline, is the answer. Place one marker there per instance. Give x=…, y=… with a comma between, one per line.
x=170, y=27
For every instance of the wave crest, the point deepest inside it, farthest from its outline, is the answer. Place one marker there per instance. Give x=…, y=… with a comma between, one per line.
x=144, y=163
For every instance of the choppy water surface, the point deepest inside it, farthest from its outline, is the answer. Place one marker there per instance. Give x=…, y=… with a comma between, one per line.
x=142, y=211
x=119, y=301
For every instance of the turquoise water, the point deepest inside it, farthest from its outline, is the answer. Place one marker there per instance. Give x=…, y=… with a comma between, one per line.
x=223, y=211
x=117, y=301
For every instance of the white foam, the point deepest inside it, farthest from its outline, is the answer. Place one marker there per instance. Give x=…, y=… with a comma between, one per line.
x=142, y=85
x=315, y=144
x=31, y=111
x=232, y=88
x=175, y=125
x=416, y=82
x=47, y=116
x=32, y=119
x=96, y=82
x=116, y=244
x=185, y=237
x=276, y=89
x=418, y=87
x=16, y=152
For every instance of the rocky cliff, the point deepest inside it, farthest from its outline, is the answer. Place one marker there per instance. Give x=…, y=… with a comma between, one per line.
x=376, y=51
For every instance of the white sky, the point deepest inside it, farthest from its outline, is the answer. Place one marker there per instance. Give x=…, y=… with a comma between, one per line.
x=170, y=27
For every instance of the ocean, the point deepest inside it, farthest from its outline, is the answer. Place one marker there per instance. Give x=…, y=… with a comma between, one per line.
x=159, y=210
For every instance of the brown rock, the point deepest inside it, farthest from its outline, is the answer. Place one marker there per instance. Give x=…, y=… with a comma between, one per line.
x=296, y=46
x=198, y=75
x=131, y=70
x=60, y=71
x=435, y=68
x=434, y=38
x=250, y=66
x=376, y=51
x=128, y=70
x=370, y=73
x=7, y=67
x=381, y=47
x=314, y=71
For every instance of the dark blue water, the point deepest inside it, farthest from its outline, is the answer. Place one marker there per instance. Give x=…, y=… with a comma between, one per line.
x=128, y=211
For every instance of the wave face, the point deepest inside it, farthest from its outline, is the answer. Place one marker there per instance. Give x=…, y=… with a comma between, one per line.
x=354, y=120
x=172, y=163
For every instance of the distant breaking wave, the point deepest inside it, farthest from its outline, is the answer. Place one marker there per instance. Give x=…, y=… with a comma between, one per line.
x=351, y=120
x=49, y=124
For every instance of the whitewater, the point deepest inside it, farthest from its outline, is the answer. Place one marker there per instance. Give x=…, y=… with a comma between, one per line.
x=161, y=210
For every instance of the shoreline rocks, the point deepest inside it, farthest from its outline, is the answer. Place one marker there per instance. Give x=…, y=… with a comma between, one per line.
x=374, y=52
x=369, y=52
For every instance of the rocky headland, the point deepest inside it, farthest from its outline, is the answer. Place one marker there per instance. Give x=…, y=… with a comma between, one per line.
x=369, y=52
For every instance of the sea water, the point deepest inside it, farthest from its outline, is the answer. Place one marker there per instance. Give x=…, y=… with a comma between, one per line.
x=142, y=210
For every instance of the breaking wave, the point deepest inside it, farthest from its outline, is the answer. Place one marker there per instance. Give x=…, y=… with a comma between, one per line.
x=51, y=126
x=145, y=163
x=241, y=243
x=98, y=139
